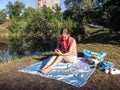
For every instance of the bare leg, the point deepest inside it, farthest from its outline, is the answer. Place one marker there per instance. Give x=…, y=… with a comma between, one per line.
x=49, y=62
x=56, y=62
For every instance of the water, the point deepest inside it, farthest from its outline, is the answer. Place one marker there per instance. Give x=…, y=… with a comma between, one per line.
x=11, y=49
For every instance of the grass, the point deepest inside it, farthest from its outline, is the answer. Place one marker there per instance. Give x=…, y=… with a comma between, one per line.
x=11, y=79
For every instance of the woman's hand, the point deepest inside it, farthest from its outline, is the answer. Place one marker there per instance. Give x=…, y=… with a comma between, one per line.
x=57, y=51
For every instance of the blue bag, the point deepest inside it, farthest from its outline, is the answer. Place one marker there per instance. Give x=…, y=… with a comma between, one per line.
x=88, y=54
x=105, y=65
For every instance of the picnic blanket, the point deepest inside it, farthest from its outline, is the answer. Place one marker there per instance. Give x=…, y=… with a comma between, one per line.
x=75, y=74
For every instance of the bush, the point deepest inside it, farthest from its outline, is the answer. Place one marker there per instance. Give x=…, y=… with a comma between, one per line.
x=2, y=16
x=16, y=26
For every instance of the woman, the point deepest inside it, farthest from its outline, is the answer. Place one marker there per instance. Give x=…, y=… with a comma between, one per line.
x=65, y=51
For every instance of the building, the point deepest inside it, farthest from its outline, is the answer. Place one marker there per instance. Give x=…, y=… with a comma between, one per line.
x=49, y=3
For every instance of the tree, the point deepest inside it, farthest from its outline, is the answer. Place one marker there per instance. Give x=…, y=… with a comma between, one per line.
x=14, y=26
x=82, y=9
x=28, y=13
x=56, y=8
x=48, y=13
x=112, y=11
x=81, y=5
x=15, y=9
x=2, y=16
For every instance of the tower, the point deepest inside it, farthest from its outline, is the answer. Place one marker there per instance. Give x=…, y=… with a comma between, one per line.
x=49, y=3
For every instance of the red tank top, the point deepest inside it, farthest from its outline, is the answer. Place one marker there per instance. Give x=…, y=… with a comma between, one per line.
x=65, y=43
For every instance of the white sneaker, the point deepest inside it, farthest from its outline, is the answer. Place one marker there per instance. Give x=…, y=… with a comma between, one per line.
x=114, y=71
x=107, y=71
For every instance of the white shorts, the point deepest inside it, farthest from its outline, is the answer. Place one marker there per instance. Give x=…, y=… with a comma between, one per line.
x=72, y=58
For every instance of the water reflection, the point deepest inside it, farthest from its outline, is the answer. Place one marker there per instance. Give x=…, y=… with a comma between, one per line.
x=17, y=47
x=23, y=46
x=4, y=51
x=7, y=56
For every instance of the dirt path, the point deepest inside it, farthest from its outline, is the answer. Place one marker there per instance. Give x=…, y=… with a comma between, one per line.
x=4, y=26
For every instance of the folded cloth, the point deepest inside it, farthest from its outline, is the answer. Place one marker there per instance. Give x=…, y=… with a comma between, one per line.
x=75, y=74
x=105, y=65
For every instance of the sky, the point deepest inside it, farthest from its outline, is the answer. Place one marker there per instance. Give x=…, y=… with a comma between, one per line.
x=27, y=3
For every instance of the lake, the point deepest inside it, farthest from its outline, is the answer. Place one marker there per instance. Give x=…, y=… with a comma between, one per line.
x=4, y=48
x=12, y=48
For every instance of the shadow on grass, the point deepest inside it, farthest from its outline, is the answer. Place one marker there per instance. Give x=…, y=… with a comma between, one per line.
x=103, y=38
x=80, y=54
x=44, y=56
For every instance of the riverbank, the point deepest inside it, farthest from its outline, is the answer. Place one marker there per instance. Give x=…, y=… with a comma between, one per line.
x=4, y=32
x=11, y=79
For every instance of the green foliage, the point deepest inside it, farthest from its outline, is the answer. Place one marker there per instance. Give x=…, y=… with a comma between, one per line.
x=55, y=25
x=80, y=12
x=45, y=26
x=47, y=13
x=28, y=13
x=68, y=14
x=16, y=26
x=42, y=27
x=112, y=14
x=58, y=16
x=15, y=9
x=44, y=21
x=37, y=24
x=17, y=46
x=81, y=5
x=2, y=16
x=108, y=15
x=90, y=4
x=68, y=24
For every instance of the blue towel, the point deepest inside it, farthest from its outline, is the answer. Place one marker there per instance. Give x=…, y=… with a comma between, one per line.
x=75, y=74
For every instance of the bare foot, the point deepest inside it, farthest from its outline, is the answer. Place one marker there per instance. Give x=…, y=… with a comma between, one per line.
x=42, y=69
x=45, y=71
x=39, y=70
